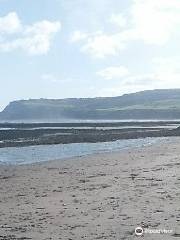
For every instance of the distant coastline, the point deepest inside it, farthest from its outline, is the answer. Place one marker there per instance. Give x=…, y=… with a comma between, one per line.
x=151, y=104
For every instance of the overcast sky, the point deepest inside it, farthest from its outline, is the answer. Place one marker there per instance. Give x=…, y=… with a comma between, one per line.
x=87, y=48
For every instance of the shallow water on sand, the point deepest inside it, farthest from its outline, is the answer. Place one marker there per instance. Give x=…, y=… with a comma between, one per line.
x=33, y=154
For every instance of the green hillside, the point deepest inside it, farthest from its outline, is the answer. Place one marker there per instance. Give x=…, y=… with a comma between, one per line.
x=155, y=104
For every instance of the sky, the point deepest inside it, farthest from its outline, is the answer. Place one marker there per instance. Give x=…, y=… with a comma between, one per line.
x=87, y=48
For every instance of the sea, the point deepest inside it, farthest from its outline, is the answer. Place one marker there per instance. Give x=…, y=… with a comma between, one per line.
x=40, y=153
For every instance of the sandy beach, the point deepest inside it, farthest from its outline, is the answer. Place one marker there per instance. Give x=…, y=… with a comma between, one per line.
x=103, y=196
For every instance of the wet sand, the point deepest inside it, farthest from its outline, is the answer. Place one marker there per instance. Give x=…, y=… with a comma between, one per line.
x=103, y=196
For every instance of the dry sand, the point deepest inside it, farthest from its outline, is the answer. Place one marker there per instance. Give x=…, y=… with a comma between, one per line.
x=102, y=196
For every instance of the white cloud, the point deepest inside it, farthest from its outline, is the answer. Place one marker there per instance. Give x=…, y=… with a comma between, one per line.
x=165, y=64
x=141, y=82
x=140, y=79
x=118, y=19
x=158, y=79
x=155, y=21
x=97, y=43
x=168, y=79
x=34, y=39
x=165, y=74
x=119, y=90
x=10, y=24
x=102, y=45
x=151, y=21
x=167, y=71
x=113, y=72
x=78, y=36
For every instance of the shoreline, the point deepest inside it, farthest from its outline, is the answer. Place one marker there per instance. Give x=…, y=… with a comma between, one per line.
x=48, y=153
x=99, y=196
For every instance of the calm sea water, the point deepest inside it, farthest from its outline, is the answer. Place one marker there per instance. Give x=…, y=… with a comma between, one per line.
x=33, y=154
x=172, y=126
